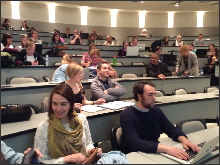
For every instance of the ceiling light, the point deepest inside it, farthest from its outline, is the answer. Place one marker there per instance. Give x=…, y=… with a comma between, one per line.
x=142, y=1
x=177, y=4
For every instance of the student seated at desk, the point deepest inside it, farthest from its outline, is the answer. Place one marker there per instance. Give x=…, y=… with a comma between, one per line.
x=212, y=60
x=29, y=56
x=55, y=41
x=199, y=41
x=65, y=137
x=108, y=41
x=86, y=56
x=143, y=122
x=75, y=73
x=96, y=59
x=157, y=69
x=24, y=39
x=187, y=63
x=6, y=41
x=123, y=51
x=104, y=87
x=59, y=73
x=9, y=156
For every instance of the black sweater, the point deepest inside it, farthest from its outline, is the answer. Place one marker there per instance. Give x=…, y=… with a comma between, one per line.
x=22, y=57
x=141, y=130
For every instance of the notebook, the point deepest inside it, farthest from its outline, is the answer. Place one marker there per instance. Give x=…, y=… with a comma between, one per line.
x=86, y=74
x=201, y=52
x=132, y=51
x=141, y=46
x=206, y=148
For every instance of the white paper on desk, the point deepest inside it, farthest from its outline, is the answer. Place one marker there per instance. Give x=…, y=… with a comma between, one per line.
x=116, y=105
x=91, y=108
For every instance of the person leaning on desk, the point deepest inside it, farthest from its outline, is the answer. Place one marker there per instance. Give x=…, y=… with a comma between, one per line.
x=29, y=56
x=143, y=122
x=187, y=63
x=157, y=69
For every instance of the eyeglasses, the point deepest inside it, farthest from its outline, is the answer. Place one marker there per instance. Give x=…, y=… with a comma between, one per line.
x=80, y=74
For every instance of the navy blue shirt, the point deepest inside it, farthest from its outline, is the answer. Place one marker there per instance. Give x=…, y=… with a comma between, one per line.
x=141, y=130
x=105, y=83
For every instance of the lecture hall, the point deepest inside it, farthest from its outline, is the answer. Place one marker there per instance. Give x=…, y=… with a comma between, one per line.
x=110, y=82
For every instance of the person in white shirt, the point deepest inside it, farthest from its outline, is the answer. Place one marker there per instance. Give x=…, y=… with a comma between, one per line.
x=199, y=41
x=6, y=41
x=178, y=41
x=108, y=41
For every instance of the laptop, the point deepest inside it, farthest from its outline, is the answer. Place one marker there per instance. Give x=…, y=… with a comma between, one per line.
x=86, y=74
x=141, y=46
x=38, y=48
x=84, y=35
x=206, y=148
x=132, y=51
x=170, y=60
x=201, y=53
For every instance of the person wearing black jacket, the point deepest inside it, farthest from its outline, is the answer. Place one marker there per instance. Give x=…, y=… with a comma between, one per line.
x=157, y=69
x=162, y=42
x=29, y=56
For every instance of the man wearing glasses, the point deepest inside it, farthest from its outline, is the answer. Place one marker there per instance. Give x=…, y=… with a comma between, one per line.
x=157, y=69
x=143, y=122
x=75, y=39
x=199, y=41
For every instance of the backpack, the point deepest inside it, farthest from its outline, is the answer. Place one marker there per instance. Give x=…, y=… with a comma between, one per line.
x=6, y=60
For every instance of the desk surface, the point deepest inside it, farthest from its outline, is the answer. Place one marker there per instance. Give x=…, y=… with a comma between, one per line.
x=156, y=158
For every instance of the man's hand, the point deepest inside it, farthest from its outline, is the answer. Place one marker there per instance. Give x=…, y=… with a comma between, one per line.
x=161, y=76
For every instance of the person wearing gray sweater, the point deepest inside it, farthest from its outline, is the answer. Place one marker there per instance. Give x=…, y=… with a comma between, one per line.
x=105, y=87
x=187, y=63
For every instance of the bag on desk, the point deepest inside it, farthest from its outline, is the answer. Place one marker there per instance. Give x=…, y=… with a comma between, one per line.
x=6, y=60
x=11, y=114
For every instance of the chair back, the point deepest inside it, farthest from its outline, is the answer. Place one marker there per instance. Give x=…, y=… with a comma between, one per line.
x=210, y=89
x=21, y=80
x=137, y=63
x=180, y=91
x=116, y=135
x=191, y=125
x=45, y=104
x=159, y=93
x=33, y=107
x=128, y=75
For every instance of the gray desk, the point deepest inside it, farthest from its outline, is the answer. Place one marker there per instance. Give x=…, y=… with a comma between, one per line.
x=217, y=70
x=195, y=137
x=101, y=122
x=36, y=92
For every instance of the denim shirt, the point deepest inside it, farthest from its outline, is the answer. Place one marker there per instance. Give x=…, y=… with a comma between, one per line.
x=59, y=73
x=10, y=155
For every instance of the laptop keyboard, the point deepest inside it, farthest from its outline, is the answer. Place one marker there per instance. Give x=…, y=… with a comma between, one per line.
x=193, y=154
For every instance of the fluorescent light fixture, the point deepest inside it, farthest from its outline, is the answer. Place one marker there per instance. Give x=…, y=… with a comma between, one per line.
x=15, y=9
x=170, y=19
x=114, y=13
x=51, y=12
x=200, y=15
x=84, y=11
x=142, y=19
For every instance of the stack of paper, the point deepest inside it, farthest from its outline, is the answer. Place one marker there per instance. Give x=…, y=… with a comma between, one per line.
x=91, y=108
x=116, y=105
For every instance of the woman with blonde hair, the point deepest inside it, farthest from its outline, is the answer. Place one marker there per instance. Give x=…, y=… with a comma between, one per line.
x=75, y=73
x=59, y=73
x=24, y=39
x=108, y=41
x=178, y=41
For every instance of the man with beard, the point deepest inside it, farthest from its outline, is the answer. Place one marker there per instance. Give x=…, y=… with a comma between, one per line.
x=143, y=123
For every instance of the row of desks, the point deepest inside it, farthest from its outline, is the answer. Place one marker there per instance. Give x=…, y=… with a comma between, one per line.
x=195, y=137
x=34, y=93
x=178, y=107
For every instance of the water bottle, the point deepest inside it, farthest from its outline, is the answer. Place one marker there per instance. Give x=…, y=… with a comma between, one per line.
x=201, y=71
x=114, y=60
x=47, y=60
